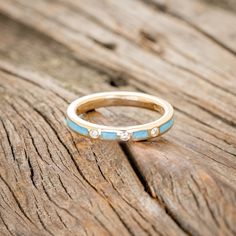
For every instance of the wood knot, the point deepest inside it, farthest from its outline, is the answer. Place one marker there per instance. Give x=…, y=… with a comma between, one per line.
x=152, y=40
x=118, y=80
x=104, y=44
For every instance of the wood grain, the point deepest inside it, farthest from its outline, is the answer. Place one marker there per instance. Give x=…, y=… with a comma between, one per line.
x=54, y=182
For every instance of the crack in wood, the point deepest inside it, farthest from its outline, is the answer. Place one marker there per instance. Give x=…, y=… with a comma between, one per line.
x=166, y=10
x=144, y=182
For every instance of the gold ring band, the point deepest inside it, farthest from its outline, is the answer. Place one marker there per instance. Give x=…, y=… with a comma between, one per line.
x=149, y=130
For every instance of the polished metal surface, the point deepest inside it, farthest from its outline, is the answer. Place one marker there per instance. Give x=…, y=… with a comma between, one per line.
x=121, y=98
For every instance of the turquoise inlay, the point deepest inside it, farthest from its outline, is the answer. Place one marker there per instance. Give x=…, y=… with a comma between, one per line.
x=77, y=128
x=108, y=135
x=141, y=134
x=166, y=126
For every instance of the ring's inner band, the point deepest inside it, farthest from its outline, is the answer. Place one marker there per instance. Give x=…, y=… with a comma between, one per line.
x=105, y=102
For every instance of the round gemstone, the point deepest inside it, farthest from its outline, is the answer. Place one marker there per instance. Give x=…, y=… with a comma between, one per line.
x=124, y=136
x=154, y=132
x=94, y=133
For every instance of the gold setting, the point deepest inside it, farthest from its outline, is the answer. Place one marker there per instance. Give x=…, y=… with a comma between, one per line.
x=136, y=132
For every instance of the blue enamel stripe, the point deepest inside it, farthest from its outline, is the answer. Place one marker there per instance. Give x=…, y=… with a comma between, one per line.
x=166, y=126
x=77, y=128
x=141, y=134
x=108, y=135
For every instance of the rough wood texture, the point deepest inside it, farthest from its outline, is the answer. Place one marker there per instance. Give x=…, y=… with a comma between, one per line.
x=53, y=182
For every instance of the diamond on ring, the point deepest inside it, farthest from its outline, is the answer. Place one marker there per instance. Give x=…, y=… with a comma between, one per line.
x=94, y=133
x=124, y=135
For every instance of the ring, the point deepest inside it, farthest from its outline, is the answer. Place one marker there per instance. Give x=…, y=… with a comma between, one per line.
x=82, y=105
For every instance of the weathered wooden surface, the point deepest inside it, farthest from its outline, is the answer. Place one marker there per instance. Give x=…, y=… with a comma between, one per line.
x=54, y=182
